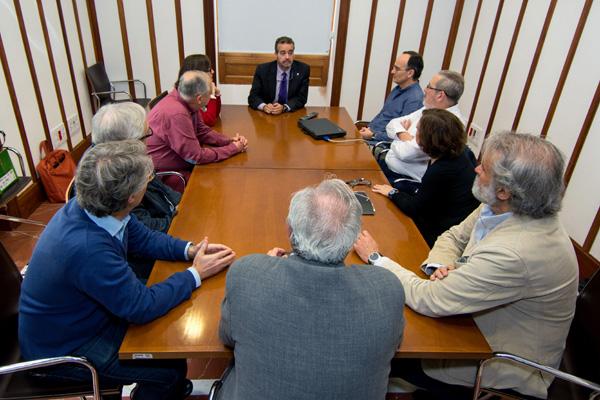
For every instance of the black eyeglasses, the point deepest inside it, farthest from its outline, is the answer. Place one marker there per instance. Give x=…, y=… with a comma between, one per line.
x=436, y=89
x=358, y=181
x=149, y=133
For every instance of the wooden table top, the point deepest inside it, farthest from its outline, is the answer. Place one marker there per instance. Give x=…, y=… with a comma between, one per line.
x=246, y=209
x=277, y=142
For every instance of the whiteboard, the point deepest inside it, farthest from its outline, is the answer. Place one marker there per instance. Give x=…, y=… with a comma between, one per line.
x=252, y=26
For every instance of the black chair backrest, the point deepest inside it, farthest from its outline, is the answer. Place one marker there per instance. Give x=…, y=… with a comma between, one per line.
x=99, y=81
x=158, y=98
x=10, y=289
x=582, y=351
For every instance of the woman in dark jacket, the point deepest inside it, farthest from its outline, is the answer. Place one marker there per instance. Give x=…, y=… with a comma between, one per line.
x=444, y=198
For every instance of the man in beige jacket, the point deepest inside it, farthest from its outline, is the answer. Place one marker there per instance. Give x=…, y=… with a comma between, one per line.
x=510, y=264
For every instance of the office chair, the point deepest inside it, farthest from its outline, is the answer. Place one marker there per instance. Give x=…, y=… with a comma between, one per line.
x=579, y=369
x=15, y=382
x=173, y=173
x=216, y=386
x=104, y=91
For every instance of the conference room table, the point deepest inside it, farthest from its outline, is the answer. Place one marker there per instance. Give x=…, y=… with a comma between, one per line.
x=243, y=202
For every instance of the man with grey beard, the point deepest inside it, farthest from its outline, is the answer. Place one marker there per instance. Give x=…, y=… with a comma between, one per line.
x=510, y=264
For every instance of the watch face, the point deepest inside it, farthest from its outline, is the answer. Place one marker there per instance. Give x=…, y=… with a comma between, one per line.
x=374, y=257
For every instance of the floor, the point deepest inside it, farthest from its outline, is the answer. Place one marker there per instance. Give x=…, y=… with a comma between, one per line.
x=20, y=243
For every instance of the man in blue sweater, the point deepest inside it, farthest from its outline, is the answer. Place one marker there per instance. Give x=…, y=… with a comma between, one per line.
x=405, y=98
x=79, y=294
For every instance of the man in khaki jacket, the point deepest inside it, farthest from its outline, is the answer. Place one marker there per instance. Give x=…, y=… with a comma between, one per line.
x=510, y=264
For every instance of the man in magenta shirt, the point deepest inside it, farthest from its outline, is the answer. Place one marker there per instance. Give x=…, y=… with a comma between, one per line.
x=179, y=132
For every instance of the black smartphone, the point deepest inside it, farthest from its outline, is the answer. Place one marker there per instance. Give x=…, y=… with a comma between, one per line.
x=365, y=202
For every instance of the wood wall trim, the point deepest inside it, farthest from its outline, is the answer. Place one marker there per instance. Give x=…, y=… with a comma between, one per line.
x=209, y=34
x=511, y=50
x=399, y=19
x=179, y=27
x=32, y=72
x=583, y=133
x=453, y=34
x=16, y=110
x=426, y=23
x=486, y=59
x=534, y=63
x=365, y=72
x=340, y=53
x=593, y=232
x=57, y=90
x=471, y=37
x=153, y=50
x=79, y=37
x=239, y=68
x=566, y=66
x=93, y=18
x=588, y=264
x=126, y=52
x=65, y=38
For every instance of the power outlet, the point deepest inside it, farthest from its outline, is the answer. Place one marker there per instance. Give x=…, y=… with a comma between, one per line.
x=73, y=123
x=58, y=134
x=475, y=137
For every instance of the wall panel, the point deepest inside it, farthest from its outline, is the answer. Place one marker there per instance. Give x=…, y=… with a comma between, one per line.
x=462, y=37
x=500, y=46
x=192, y=14
x=166, y=42
x=379, y=68
x=583, y=193
x=550, y=65
x=437, y=38
x=139, y=45
x=519, y=65
x=78, y=66
x=112, y=44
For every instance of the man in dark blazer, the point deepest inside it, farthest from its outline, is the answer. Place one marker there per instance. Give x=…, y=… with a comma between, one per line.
x=302, y=324
x=282, y=85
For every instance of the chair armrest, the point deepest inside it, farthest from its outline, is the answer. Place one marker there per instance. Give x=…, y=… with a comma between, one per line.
x=216, y=386
x=361, y=124
x=380, y=148
x=174, y=173
x=132, y=80
x=540, y=367
x=47, y=362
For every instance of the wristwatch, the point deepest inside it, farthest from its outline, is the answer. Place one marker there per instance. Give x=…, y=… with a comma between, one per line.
x=392, y=192
x=374, y=257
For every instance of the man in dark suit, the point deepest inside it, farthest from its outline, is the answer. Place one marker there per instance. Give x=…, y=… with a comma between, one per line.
x=282, y=85
x=302, y=324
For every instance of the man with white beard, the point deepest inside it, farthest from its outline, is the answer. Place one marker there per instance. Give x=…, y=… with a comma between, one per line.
x=510, y=264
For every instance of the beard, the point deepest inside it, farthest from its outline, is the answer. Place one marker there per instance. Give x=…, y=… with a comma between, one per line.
x=485, y=194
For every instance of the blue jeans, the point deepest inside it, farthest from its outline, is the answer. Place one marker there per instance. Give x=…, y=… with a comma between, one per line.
x=156, y=379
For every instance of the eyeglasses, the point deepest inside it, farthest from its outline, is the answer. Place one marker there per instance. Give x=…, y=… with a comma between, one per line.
x=436, y=89
x=358, y=181
x=149, y=133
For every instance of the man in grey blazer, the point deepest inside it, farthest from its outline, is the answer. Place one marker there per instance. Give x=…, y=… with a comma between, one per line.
x=303, y=325
x=510, y=264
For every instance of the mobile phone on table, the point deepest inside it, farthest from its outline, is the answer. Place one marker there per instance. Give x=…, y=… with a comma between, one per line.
x=365, y=202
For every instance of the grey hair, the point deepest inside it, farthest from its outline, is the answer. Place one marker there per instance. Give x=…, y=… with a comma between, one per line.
x=530, y=168
x=118, y=121
x=109, y=173
x=452, y=83
x=192, y=84
x=324, y=221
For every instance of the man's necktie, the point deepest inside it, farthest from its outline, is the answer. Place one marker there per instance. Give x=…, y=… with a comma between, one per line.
x=282, y=97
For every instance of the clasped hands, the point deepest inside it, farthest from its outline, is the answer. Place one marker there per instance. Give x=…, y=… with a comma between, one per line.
x=274, y=108
x=240, y=142
x=210, y=258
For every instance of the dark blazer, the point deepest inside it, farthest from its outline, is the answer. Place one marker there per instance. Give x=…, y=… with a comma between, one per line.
x=265, y=82
x=444, y=198
x=304, y=330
